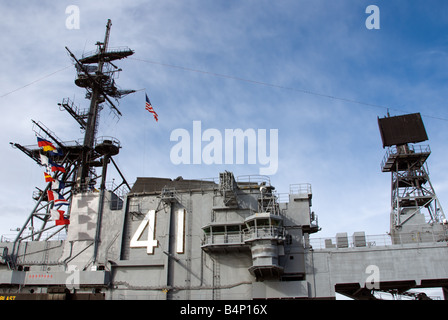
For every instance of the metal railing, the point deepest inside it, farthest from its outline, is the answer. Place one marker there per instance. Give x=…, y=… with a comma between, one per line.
x=300, y=188
x=228, y=238
x=268, y=232
x=381, y=240
x=27, y=236
x=412, y=149
x=109, y=139
x=254, y=179
x=241, y=237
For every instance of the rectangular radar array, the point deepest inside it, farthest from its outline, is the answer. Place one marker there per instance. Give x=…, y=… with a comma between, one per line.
x=402, y=129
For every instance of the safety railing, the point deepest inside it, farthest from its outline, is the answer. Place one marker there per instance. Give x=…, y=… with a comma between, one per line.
x=379, y=240
x=254, y=179
x=27, y=236
x=300, y=188
x=227, y=238
x=241, y=237
x=268, y=232
x=410, y=149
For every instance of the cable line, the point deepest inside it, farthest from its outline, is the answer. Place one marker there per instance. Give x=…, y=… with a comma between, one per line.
x=33, y=82
x=219, y=75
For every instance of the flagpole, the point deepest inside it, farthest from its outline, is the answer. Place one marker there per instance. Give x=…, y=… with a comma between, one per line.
x=146, y=128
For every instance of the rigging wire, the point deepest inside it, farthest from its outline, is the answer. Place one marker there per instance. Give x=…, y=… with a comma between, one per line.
x=219, y=75
x=35, y=81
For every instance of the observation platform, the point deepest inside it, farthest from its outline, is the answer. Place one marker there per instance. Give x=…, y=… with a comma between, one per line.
x=397, y=158
x=111, y=55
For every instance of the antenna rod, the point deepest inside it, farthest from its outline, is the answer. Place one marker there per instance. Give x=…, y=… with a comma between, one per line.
x=106, y=37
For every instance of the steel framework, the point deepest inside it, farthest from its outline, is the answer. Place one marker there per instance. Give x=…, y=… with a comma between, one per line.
x=78, y=159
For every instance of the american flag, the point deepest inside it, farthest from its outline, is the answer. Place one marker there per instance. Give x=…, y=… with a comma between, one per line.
x=148, y=107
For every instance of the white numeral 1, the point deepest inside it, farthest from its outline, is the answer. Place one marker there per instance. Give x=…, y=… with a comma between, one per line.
x=180, y=231
x=151, y=243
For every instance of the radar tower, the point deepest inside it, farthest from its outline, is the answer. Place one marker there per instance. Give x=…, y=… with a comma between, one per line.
x=415, y=209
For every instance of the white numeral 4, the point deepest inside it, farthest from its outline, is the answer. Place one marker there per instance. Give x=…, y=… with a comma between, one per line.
x=151, y=243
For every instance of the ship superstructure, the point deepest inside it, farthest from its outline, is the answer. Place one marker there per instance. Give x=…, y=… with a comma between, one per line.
x=222, y=238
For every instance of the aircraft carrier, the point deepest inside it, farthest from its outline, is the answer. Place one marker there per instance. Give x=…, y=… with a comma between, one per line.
x=208, y=239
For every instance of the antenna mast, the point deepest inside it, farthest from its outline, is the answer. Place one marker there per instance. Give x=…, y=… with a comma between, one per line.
x=95, y=74
x=76, y=162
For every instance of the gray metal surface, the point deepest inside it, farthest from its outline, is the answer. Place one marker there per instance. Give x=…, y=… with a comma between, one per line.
x=197, y=247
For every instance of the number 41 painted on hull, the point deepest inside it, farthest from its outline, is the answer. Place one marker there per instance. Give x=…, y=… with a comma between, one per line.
x=149, y=222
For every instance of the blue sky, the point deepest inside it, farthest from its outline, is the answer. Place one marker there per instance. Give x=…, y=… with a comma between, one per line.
x=308, y=50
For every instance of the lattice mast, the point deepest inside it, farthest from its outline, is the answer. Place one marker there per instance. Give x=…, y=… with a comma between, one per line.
x=95, y=73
